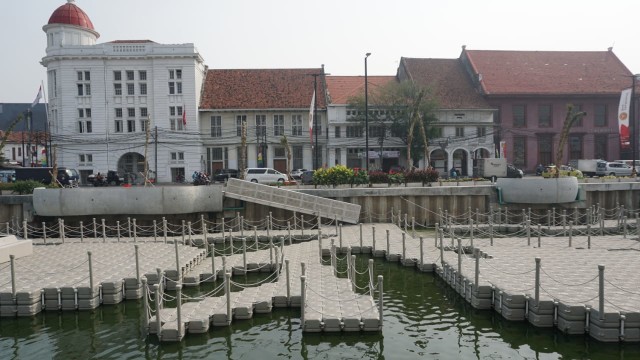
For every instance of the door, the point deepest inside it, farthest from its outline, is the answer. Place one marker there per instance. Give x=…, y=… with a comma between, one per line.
x=280, y=165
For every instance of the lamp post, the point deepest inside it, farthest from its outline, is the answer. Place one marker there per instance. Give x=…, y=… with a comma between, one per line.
x=366, y=112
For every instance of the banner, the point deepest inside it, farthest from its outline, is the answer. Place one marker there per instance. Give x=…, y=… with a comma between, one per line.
x=311, y=111
x=623, y=118
x=503, y=149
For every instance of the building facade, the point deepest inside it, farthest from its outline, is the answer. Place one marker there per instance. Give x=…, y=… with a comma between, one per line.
x=121, y=105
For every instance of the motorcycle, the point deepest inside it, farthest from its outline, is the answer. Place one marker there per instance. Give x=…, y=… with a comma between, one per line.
x=200, y=178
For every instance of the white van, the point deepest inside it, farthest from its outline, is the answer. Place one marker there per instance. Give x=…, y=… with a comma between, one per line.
x=265, y=176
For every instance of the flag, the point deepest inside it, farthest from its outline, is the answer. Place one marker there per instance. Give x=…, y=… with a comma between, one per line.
x=38, y=97
x=184, y=115
x=623, y=118
x=311, y=108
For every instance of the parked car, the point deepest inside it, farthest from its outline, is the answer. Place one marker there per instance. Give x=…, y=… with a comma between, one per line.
x=307, y=177
x=265, y=176
x=296, y=173
x=222, y=175
x=550, y=170
x=613, y=168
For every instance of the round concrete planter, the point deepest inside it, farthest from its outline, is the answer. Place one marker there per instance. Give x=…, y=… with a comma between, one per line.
x=538, y=190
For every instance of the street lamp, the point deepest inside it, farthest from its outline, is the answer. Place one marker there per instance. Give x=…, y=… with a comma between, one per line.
x=366, y=112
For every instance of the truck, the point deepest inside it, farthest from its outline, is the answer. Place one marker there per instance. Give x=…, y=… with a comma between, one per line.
x=494, y=168
x=43, y=174
x=587, y=166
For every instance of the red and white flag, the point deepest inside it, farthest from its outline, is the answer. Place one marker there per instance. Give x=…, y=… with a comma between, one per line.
x=38, y=97
x=184, y=115
x=311, y=108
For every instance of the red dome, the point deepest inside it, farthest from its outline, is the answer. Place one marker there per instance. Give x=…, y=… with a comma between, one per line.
x=70, y=14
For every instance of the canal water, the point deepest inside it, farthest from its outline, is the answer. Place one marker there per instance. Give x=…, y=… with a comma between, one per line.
x=423, y=319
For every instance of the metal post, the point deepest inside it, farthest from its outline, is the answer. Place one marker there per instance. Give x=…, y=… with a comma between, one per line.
x=289, y=232
x=145, y=303
x=175, y=243
x=118, y=230
x=137, y=263
x=421, y=251
x=164, y=229
x=442, y=248
x=182, y=228
x=286, y=267
x=601, y=291
x=548, y=219
x=12, y=258
x=388, y=243
x=340, y=238
x=179, y=309
x=104, y=231
x=491, y=233
x=156, y=290
x=213, y=262
x=155, y=231
x=588, y=236
x=135, y=231
x=95, y=229
x=370, y=268
x=302, y=225
x=373, y=240
x=227, y=290
x=244, y=255
x=128, y=227
x=476, y=283
x=360, y=236
x=404, y=247
x=539, y=234
x=302, y=298
x=537, y=290
x=242, y=225
x=44, y=231
x=471, y=232
x=380, y=297
x=353, y=272
x=81, y=232
x=90, y=272
x=570, y=232
x=459, y=263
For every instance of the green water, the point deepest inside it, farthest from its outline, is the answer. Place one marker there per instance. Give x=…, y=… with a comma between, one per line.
x=423, y=318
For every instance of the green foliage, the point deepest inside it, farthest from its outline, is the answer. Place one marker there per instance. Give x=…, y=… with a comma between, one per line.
x=378, y=177
x=397, y=178
x=422, y=175
x=25, y=187
x=336, y=175
x=360, y=177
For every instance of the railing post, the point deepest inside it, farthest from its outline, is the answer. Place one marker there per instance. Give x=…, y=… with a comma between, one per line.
x=213, y=262
x=380, y=298
x=370, y=268
x=421, y=251
x=601, y=291
x=95, y=229
x=404, y=247
x=190, y=233
x=286, y=267
x=145, y=304
x=227, y=290
x=204, y=231
x=442, y=248
x=528, y=232
x=340, y=238
x=104, y=231
x=303, y=299
x=244, y=255
x=164, y=229
x=156, y=290
x=118, y=230
x=537, y=285
x=459, y=279
x=128, y=227
x=137, y=263
x=155, y=231
x=90, y=272
x=178, y=270
x=44, y=231
x=289, y=232
x=471, y=233
x=12, y=259
x=388, y=248
x=476, y=282
x=182, y=228
x=179, y=309
x=81, y=231
x=570, y=232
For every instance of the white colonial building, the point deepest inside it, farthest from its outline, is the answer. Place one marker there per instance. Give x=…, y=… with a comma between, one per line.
x=116, y=105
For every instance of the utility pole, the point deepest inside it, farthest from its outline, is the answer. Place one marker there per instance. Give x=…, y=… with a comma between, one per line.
x=155, y=138
x=146, y=146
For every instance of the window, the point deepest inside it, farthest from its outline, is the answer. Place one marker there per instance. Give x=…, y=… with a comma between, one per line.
x=481, y=132
x=520, y=151
x=459, y=131
x=545, y=149
x=129, y=75
x=337, y=131
x=144, y=112
x=297, y=156
x=216, y=126
x=142, y=75
x=85, y=159
x=296, y=128
x=239, y=120
x=84, y=120
x=143, y=125
x=576, y=109
x=575, y=146
x=130, y=89
x=278, y=125
x=175, y=87
x=53, y=83
x=118, y=126
x=131, y=125
x=177, y=156
x=354, y=131
x=261, y=125
x=117, y=75
x=143, y=88
x=601, y=144
x=131, y=112
x=118, y=112
x=545, y=116
x=117, y=88
x=279, y=152
x=519, y=116
x=84, y=87
x=600, y=115
x=175, y=117
x=377, y=132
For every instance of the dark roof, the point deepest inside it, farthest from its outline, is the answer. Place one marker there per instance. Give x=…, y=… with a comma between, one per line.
x=448, y=80
x=342, y=88
x=262, y=89
x=71, y=14
x=548, y=72
x=10, y=111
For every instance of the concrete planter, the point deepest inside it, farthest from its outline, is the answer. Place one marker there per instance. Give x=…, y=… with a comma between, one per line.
x=538, y=190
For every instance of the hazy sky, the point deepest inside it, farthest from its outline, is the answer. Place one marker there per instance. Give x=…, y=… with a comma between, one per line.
x=337, y=33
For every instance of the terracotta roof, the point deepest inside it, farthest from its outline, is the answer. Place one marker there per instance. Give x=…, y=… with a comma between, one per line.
x=548, y=72
x=342, y=88
x=261, y=89
x=71, y=14
x=447, y=78
x=131, y=41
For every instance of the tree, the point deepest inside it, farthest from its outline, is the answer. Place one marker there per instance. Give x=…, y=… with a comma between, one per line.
x=402, y=108
x=285, y=143
x=569, y=120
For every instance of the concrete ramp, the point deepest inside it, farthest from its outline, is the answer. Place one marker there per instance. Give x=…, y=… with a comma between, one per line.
x=292, y=200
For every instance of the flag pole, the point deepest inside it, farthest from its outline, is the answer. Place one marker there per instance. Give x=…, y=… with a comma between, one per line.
x=46, y=125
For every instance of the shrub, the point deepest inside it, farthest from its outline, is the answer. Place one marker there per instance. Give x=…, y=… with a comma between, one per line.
x=336, y=175
x=378, y=177
x=422, y=175
x=26, y=187
x=397, y=178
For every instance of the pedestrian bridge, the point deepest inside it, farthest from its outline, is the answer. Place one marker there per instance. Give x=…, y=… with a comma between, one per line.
x=292, y=200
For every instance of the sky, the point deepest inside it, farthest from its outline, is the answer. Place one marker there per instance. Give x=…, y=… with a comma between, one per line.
x=235, y=34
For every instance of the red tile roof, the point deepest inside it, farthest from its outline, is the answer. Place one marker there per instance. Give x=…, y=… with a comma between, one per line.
x=448, y=80
x=71, y=14
x=548, y=72
x=261, y=89
x=342, y=88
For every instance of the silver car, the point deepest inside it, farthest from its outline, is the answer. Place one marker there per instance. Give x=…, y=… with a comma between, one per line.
x=613, y=169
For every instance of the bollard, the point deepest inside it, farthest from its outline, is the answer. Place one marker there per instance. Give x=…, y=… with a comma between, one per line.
x=380, y=293
x=471, y=233
x=128, y=227
x=244, y=255
x=118, y=230
x=491, y=233
x=601, y=291
x=95, y=230
x=81, y=232
x=12, y=258
x=213, y=262
x=476, y=283
x=104, y=231
x=177, y=261
x=302, y=225
x=137, y=264
x=135, y=231
x=570, y=232
x=156, y=290
x=421, y=251
x=528, y=232
x=539, y=234
x=286, y=267
x=145, y=304
x=164, y=229
x=227, y=290
x=588, y=236
x=302, y=298
x=155, y=231
x=184, y=242
x=44, y=232
x=537, y=286
x=90, y=272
